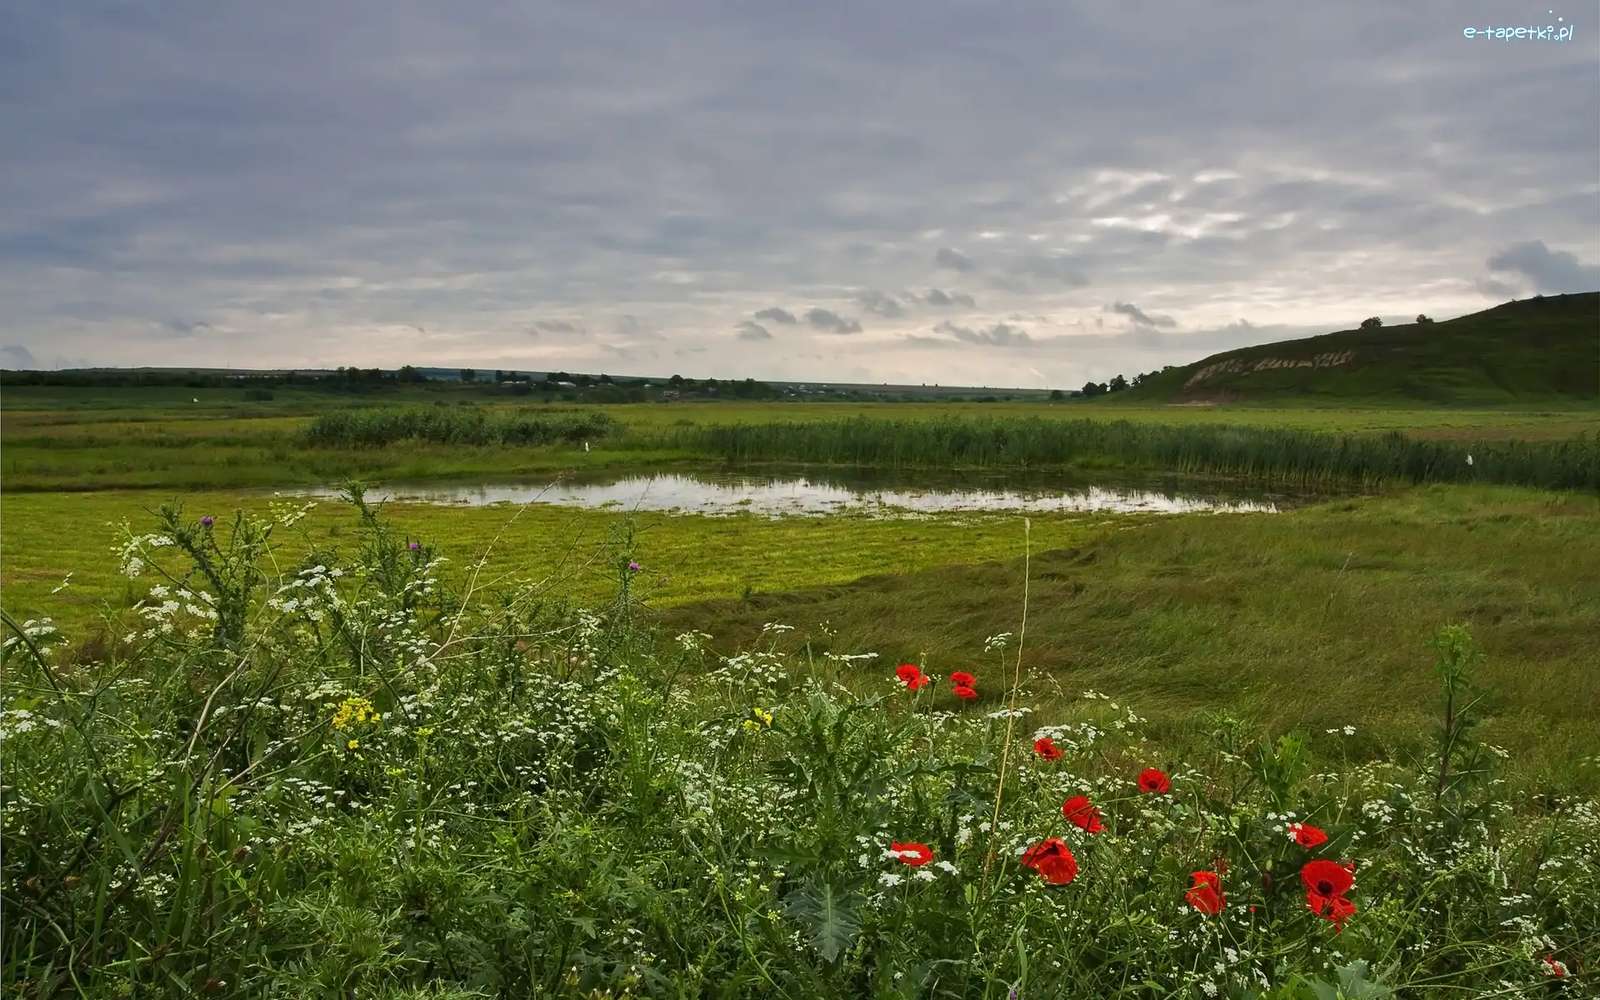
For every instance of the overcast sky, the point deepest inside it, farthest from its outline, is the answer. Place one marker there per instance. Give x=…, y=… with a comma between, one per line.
x=986, y=192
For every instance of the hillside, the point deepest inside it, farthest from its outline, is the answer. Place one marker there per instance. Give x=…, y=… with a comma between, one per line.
x=1541, y=348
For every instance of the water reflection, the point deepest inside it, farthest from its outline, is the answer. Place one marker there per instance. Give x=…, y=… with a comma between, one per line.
x=817, y=494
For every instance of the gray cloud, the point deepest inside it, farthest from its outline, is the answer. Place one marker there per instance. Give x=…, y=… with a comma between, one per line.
x=1047, y=269
x=17, y=356
x=1555, y=271
x=942, y=299
x=186, y=327
x=874, y=301
x=832, y=322
x=954, y=260
x=998, y=335
x=557, y=326
x=345, y=196
x=777, y=315
x=751, y=330
x=1139, y=316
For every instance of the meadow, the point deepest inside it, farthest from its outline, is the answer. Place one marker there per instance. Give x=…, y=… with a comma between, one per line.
x=340, y=775
x=60, y=438
x=548, y=751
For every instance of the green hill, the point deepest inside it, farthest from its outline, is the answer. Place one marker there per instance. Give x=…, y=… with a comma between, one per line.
x=1540, y=348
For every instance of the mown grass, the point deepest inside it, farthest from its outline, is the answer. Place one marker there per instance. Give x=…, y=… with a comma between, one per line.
x=1300, y=457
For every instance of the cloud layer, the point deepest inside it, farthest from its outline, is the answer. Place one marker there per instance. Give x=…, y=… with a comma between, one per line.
x=926, y=193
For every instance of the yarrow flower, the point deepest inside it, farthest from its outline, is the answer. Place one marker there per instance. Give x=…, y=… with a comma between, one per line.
x=1205, y=892
x=1327, y=883
x=914, y=854
x=966, y=693
x=961, y=678
x=1081, y=813
x=1307, y=835
x=1154, y=781
x=912, y=676
x=1053, y=860
x=1046, y=748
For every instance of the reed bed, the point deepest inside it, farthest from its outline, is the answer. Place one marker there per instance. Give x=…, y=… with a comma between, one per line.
x=1272, y=454
x=375, y=428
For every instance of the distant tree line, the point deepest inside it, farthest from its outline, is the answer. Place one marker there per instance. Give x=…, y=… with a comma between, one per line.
x=1119, y=383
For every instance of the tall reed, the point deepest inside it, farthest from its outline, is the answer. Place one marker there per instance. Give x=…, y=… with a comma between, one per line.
x=373, y=428
x=1280, y=455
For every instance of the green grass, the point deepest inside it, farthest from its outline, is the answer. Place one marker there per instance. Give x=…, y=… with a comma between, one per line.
x=1312, y=618
x=1291, y=618
x=103, y=441
x=336, y=774
x=454, y=426
x=1542, y=349
x=1290, y=456
x=44, y=536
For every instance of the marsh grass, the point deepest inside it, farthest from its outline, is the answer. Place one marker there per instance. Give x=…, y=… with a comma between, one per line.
x=1298, y=457
x=378, y=427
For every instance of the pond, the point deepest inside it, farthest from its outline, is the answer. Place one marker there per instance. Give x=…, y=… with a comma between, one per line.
x=813, y=493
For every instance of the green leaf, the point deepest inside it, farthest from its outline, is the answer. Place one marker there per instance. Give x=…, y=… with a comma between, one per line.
x=1354, y=982
x=831, y=918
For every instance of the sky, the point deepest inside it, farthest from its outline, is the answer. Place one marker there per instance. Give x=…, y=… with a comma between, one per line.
x=904, y=191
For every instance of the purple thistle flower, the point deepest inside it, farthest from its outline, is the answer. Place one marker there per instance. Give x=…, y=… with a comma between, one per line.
x=414, y=546
x=207, y=521
x=633, y=567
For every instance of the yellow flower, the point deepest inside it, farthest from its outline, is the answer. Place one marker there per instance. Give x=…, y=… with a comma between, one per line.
x=750, y=726
x=353, y=745
x=353, y=710
x=762, y=715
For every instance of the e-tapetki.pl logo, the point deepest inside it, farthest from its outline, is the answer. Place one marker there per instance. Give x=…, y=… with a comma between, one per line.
x=1561, y=31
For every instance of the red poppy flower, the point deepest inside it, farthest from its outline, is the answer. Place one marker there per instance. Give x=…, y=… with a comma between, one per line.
x=1307, y=835
x=1205, y=894
x=1326, y=883
x=965, y=693
x=912, y=676
x=1154, y=781
x=1053, y=860
x=1046, y=747
x=914, y=854
x=1081, y=813
x=961, y=678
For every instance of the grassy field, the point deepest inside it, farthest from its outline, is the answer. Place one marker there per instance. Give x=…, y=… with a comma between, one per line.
x=376, y=783
x=433, y=766
x=56, y=439
x=688, y=558
x=1308, y=617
